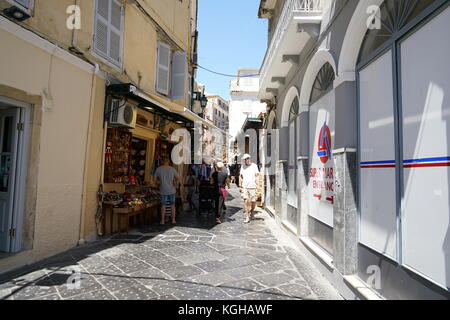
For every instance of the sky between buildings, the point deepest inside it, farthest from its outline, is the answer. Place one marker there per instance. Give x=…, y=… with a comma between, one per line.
x=231, y=36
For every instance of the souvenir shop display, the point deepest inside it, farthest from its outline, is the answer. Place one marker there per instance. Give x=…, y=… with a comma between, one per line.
x=259, y=190
x=138, y=161
x=142, y=203
x=117, y=156
x=163, y=149
x=139, y=197
x=130, y=163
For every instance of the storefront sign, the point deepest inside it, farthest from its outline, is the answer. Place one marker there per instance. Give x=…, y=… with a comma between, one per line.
x=321, y=173
x=322, y=177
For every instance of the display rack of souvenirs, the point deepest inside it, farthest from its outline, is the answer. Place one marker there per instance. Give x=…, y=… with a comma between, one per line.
x=259, y=190
x=163, y=149
x=117, y=156
x=138, y=161
x=132, y=199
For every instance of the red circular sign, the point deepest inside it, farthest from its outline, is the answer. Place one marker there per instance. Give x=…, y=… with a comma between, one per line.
x=324, y=152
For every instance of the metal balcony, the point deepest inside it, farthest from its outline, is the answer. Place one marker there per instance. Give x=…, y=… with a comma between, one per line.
x=298, y=22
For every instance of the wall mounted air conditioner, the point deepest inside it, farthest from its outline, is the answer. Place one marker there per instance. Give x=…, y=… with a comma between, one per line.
x=19, y=10
x=122, y=114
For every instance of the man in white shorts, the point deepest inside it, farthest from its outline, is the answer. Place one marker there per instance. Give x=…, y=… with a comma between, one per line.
x=248, y=183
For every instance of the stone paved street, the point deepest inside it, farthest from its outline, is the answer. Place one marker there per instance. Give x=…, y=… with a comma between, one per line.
x=196, y=259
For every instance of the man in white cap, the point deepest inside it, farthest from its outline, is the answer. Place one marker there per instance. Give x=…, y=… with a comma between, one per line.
x=248, y=183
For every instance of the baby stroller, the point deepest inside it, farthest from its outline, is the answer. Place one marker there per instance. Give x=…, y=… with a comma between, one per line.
x=205, y=197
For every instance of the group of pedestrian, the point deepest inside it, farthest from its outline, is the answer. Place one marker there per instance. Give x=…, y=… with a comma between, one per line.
x=220, y=178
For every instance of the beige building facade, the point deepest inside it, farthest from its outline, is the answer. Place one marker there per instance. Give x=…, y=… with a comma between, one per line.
x=55, y=70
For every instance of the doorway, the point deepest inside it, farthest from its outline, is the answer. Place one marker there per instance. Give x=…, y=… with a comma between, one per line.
x=12, y=175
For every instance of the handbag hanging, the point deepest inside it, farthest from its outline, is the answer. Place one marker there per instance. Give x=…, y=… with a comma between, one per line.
x=224, y=192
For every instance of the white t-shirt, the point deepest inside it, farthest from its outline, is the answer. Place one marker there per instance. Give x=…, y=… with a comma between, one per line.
x=248, y=174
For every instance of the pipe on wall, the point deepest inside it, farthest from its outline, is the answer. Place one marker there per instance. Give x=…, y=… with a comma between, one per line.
x=81, y=239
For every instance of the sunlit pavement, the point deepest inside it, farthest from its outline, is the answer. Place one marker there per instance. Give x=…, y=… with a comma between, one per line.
x=196, y=259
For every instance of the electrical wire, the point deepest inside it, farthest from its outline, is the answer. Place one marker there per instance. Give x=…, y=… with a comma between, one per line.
x=227, y=75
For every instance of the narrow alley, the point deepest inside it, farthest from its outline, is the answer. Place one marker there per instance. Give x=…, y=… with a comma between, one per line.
x=194, y=260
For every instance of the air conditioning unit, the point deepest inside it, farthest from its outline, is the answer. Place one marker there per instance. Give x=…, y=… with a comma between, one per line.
x=19, y=10
x=122, y=114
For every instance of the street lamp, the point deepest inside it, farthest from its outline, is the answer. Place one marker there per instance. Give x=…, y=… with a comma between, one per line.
x=204, y=103
x=200, y=103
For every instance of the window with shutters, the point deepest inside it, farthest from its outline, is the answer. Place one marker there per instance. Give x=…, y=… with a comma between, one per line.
x=179, y=75
x=108, y=34
x=163, y=68
x=171, y=72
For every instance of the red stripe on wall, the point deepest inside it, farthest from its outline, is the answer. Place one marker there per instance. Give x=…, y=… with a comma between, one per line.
x=379, y=166
x=427, y=165
x=417, y=165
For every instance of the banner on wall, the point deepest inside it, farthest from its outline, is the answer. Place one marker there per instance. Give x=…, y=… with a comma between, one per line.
x=321, y=173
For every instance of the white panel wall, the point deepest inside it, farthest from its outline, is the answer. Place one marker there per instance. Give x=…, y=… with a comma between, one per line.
x=426, y=131
x=292, y=195
x=378, y=222
x=320, y=188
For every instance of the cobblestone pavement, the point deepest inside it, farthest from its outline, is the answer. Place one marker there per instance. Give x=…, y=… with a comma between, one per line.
x=196, y=259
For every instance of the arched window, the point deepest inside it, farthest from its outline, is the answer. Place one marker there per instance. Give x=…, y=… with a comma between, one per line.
x=294, y=109
x=323, y=83
x=392, y=16
x=291, y=168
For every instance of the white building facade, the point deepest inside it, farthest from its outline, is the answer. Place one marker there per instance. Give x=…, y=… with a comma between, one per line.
x=358, y=170
x=244, y=103
x=217, y=112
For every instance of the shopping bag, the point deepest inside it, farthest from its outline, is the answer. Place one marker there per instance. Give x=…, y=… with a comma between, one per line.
x=224, y=192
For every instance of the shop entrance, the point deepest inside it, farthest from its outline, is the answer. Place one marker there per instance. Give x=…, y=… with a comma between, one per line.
x=11, y=176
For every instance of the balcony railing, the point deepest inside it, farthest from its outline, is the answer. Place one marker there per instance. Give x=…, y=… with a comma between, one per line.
x=248, y=84
x=308, y=5
x=290, y=7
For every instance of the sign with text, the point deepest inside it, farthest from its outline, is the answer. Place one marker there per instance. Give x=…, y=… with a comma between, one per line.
x=321, y=172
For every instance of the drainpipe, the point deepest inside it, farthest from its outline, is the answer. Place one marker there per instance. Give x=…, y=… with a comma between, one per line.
x=81, y=239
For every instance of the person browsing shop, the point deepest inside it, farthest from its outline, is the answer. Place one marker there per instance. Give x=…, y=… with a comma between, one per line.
x=219, y=179
x=167, y=178
x=248, y=183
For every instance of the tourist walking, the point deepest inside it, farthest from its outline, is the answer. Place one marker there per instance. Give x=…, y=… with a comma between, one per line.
x=167, y=178
x=248, y=183
x=220, y=180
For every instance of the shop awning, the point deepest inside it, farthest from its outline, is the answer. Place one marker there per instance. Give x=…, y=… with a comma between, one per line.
x=252, y=123
x=167, y=109
x=149, y=103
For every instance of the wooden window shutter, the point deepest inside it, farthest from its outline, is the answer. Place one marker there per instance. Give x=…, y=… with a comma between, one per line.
x=116, y=32
x=109, y=30
x=163, y=68
x=179, y=75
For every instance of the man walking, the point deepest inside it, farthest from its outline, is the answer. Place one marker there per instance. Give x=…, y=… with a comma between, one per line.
x=248, y=184
x=167, y=178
